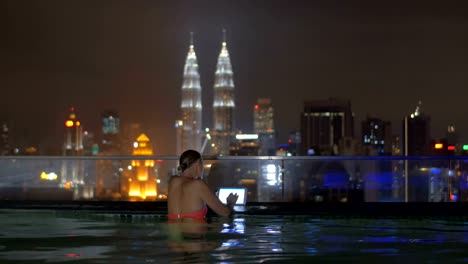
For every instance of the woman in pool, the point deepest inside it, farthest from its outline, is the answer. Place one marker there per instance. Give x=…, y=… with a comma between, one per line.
x=188, y=195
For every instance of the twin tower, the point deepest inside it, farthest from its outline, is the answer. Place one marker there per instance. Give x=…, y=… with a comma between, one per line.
x=190, y=134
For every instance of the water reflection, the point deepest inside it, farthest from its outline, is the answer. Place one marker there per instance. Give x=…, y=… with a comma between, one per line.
x=38, y=236
x=237, y=226
x=190, y=235
x=45, y=236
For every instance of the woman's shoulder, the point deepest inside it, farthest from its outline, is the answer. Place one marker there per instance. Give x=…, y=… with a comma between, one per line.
x=197, y=185
x=175, y=180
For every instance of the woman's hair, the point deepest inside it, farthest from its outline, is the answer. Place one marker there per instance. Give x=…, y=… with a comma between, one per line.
x=188, y=158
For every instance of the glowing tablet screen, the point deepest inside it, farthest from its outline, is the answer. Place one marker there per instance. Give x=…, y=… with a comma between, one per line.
x=223, y=193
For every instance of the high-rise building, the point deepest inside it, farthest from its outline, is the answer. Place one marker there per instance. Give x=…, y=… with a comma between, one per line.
x=416, y=133
x=323, y=124
x=129, y=132
x=73, y=145
x=294, y=143
x=191, y=105
x=264, y=126
x=223, y=105
x=377, y=136
x=5, y=148
x=90, y=146
x=179, y=126
x=110, y=123
x=72, y=171
x=396, y=145
x=245, y=145
x=452, y=136
x=110, y=142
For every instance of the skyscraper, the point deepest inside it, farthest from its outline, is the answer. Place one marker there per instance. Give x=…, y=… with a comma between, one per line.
x=416, y=133
x=73, y=135
x=110, y=123
x=110, y=143
x=72, y=171
x=377, y=136
x=191, y=105
x=223, y=103
x=323, y=124
x=264, y=126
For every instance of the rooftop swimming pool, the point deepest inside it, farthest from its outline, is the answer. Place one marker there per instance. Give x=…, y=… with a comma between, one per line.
x=79, y=236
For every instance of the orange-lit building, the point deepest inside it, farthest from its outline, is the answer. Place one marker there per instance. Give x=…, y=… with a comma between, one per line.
x=141, y=181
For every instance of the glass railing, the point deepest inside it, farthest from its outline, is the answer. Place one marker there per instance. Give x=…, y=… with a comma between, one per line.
x=267, y=179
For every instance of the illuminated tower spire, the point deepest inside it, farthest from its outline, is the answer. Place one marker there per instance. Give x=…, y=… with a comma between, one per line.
x=72, y=171
x=223, y=104
x=191, y=106
x=73, y=135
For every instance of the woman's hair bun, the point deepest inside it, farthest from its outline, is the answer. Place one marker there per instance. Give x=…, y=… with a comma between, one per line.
x=188, y=158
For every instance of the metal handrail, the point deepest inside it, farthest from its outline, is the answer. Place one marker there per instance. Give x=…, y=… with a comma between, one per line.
x=176, y=158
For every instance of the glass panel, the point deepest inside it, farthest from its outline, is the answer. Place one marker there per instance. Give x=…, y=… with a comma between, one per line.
x=267, y=179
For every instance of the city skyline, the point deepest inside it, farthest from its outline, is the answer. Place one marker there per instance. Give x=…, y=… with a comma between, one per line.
x=129, y=57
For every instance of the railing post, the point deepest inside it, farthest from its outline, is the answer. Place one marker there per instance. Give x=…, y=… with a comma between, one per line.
x=406, y=158
x=282, y=179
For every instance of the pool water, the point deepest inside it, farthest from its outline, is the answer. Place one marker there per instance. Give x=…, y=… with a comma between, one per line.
x=48, y=236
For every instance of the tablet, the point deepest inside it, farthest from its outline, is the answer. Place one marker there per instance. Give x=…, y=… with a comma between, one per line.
x=223, y=193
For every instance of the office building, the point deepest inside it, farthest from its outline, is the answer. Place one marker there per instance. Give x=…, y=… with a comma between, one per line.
x=264, y=126
x=323, y=124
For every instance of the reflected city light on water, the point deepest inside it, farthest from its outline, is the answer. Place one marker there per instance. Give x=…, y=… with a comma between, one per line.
x=236, y=227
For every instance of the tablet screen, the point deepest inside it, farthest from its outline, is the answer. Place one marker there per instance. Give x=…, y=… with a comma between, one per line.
x=223, y=193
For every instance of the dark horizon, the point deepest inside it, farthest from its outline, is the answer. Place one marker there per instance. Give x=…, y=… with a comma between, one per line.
x=128, y=56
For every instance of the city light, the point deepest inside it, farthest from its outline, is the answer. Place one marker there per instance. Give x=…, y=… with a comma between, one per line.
x=247, y=136
x=49, y=176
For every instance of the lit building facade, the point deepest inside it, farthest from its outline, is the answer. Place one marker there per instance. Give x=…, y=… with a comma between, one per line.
x=110, y=123
x=377, y=136
x=245, y=145
x=264, y=126
x=142, y=181
x=323, y=124
x=223, y=130
x=191, y=105
x=110, y=142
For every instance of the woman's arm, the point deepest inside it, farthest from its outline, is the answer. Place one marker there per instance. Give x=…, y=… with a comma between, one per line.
x=212, y=201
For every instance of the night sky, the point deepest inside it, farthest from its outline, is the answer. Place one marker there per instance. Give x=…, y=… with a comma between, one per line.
x=129, y=55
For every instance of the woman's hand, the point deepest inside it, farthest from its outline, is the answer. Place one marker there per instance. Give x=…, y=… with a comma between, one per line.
x=232, y=199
